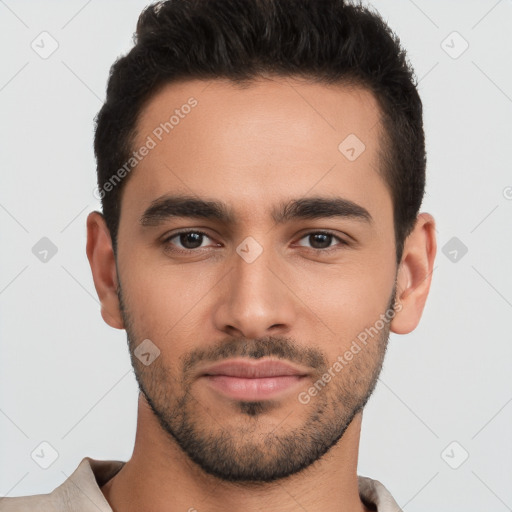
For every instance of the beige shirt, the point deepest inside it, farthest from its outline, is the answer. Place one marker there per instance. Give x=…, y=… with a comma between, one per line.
x=81, y=492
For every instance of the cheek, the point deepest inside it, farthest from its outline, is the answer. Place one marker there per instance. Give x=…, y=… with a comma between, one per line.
x=170, y=302
x=347, y=298
x=164, y=302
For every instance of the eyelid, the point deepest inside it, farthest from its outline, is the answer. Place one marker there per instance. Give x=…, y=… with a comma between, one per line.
x=166, y=239
x=341, y=241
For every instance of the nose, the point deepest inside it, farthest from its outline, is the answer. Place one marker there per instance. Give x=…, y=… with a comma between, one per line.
x=255, y=299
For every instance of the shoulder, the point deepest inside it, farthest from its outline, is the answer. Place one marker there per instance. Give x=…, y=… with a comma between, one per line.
x=35, y=503
x=80, y=491
x=376, y=494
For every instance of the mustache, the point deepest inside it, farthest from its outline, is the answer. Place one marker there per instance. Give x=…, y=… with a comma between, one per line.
x=270, y=346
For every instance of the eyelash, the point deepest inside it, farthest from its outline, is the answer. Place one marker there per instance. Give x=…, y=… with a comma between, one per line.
x=167, y=241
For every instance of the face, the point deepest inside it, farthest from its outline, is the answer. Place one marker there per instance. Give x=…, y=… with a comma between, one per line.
x=256, y=252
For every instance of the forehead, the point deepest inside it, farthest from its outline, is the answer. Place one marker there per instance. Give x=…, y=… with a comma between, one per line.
x=290, y=108
x=275, y=138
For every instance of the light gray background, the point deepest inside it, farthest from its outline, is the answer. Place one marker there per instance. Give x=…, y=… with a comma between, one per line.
x=65, y=376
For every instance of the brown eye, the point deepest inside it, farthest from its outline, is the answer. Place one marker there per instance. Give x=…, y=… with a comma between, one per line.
x=322, y=240
x=186, y=241
x=191, y=240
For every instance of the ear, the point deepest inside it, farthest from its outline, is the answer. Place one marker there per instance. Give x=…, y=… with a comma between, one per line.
x=415, y=275
x=103, y=266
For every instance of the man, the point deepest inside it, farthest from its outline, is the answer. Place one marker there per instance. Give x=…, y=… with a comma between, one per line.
x=238, y=137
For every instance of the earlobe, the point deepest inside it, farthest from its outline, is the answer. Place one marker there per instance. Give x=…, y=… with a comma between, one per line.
x=415, y=275
x=103, y=266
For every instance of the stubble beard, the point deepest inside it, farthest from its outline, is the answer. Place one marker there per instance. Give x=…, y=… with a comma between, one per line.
x=246, y=453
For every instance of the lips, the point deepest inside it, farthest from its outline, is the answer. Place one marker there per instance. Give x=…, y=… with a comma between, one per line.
x=256, y=370
x=260, y=380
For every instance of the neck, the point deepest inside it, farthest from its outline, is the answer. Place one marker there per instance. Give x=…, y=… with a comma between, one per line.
x=160, y=474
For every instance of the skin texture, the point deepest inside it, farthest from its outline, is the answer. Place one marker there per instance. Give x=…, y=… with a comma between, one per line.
x=254, y=149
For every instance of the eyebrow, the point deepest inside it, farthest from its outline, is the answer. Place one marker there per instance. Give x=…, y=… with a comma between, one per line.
x=182, y=206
